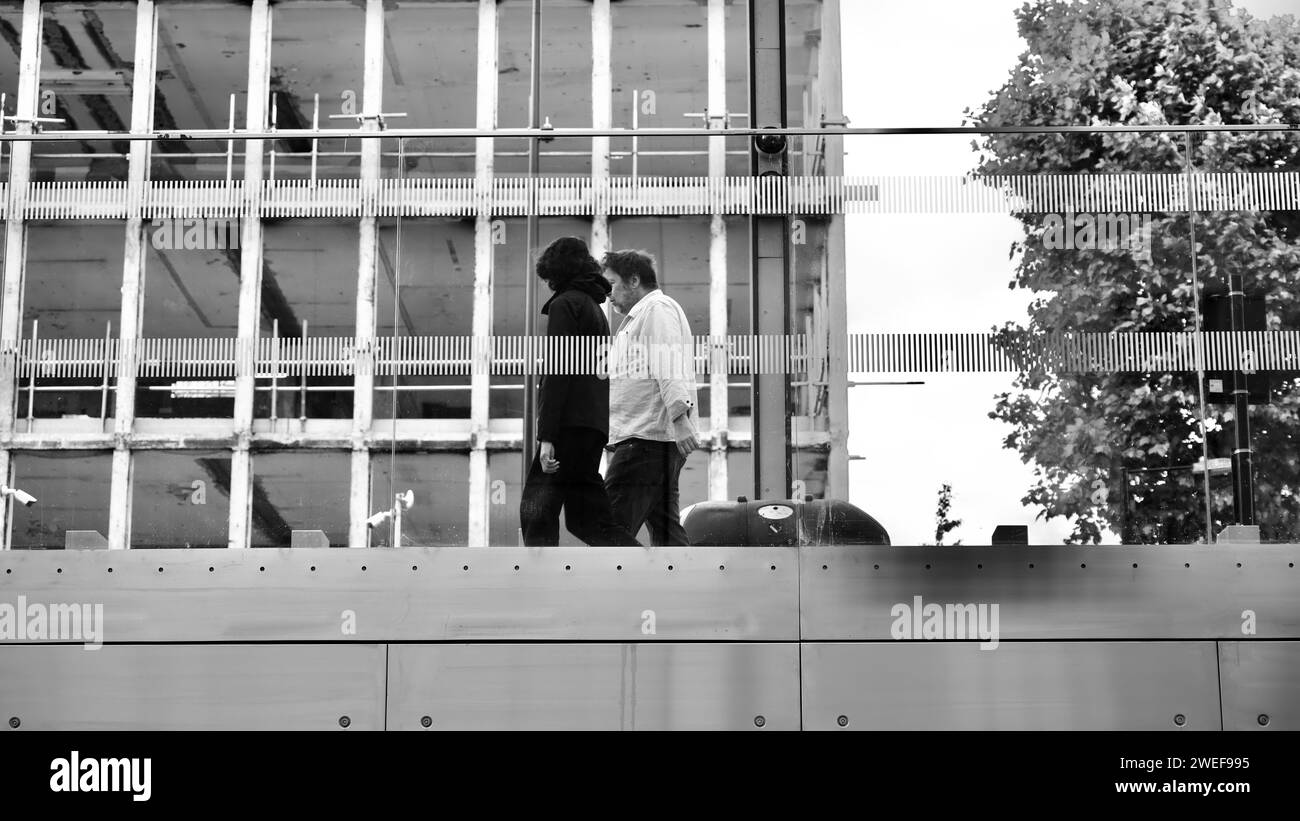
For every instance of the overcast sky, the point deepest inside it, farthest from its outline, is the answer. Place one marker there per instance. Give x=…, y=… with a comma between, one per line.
x=921, y=63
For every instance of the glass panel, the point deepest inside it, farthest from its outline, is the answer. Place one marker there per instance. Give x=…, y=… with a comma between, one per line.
x=180, y=499
x=660, y=80
x=71, y=490
x=191, y=291
x=86, y=81
x=202, y=82
x=737, y=53
x=439, y=516
x=309, y=84
x=431, y=75
x=437, y=299
x=309, y=289
x=300, y=491
x=72, y=291
x=565, y=84
x=1249, y=244
x=11, y=24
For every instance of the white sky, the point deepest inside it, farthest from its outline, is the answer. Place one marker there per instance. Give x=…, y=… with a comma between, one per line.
x=921, y=63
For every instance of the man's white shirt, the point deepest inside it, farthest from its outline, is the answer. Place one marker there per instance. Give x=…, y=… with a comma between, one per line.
x=652, y=372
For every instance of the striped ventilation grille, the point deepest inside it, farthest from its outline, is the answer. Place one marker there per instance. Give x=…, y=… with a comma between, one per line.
x=701, y=355
x=669, y=196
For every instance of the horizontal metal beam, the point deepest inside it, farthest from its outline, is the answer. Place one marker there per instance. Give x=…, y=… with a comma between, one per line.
x=1055, y=592
x=556, y=133
x=421, y=594
x=669, y=594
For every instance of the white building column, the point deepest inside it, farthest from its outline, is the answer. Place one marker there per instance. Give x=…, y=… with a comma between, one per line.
x=480, y=380
x=15, y=236
x=250, y=275
x=837, y=317
x=718, y=404
x=363, y=393
x=133, y=274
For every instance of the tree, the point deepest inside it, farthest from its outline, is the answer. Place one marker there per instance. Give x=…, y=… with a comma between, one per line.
x=1133, y=62
x=942, y=524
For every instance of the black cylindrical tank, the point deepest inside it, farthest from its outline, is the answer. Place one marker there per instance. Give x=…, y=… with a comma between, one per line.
x=781, y=522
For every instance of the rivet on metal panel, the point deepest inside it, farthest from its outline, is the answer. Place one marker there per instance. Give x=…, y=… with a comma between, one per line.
x=670, y=567
x=426, y=721
x=1031, y=565
x=774, y=567
x=927, y=567
x=259, y=570
x=363, y=568
x=14, y=721
x=1180, y=719
x=516, y=567
x=1238, y=564
x=344, y=721
x=313, y=568
x=1083, y=566
x=824, y=567
x=843, y=721
x=58, y=570
x=568, y=567
x=759, y=721
x=722, y=567
x=620, y=567
x=1187, y=564
x=464, y=567
x=979, y=567
x=160, y=570
x=1135, y=564
x=877, y=567
x=110, y=570
x=211, y=569
x=1263, y=719
x=415, y=567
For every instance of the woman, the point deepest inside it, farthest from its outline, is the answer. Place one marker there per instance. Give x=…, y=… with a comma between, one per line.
x=572, y=413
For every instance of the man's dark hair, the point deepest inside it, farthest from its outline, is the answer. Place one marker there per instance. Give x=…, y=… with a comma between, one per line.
x=563, y=260
x=633, y=264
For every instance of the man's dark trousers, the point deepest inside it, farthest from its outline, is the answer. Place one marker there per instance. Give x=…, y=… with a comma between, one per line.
x=642, y=484
x=575, y=487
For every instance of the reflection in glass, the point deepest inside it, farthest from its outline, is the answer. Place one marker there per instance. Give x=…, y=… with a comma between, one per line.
x=11, y=23
x=300, y=490
x=202, y=82
x=72, y=290
x=660, y=80
x=310, y=83
x=431, y=76
x=439, y=483
x=190, y=293
x=85, y=80
x=437, y=299
x=565, y=84
x=180, y=499
x=309, y=290
x=72, y=491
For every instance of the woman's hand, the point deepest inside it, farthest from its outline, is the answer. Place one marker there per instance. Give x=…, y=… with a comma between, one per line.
x=547, y=458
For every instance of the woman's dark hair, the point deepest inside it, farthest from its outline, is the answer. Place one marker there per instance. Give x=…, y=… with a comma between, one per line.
x=563, y=260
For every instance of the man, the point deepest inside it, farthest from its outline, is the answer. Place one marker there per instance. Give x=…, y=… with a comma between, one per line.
x=653, y=421
x=572, y=413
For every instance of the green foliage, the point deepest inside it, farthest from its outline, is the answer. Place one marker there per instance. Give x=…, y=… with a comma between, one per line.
x=942, y=524
x=1108, y=62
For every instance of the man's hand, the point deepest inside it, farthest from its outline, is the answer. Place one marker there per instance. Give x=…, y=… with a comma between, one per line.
x=685, y=433
x=547, y=458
